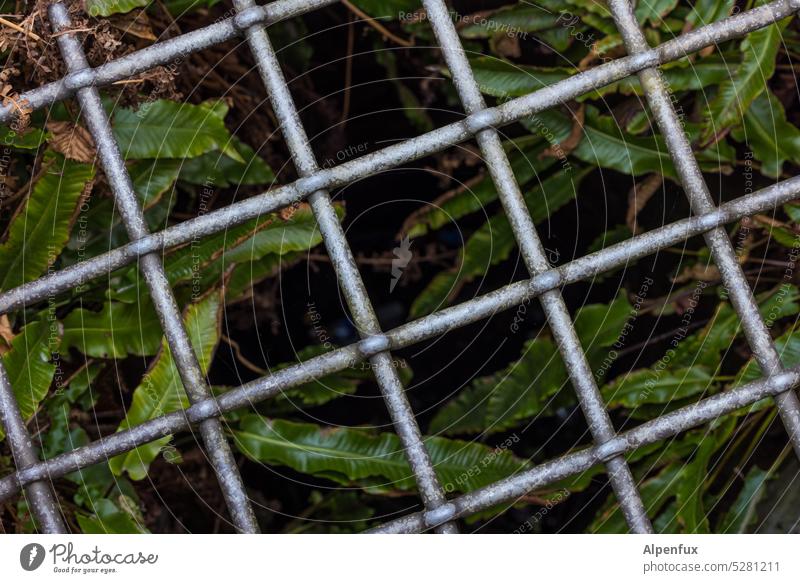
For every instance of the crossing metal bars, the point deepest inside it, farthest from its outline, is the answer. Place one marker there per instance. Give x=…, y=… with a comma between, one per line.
x=35, y=477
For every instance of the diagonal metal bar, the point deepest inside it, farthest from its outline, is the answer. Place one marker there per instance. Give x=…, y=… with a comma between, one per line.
x=395, y=155
x=500, y=492
x=171, y=50
x=664, y=427
x=700, y=200
x=463, y=314
x=346, y=270
x=180, y=46
x=535, y=258
x=42, y=502
x=169, y=314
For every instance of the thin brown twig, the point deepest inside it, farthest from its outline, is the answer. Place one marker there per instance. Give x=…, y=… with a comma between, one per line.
x=377, y=25
x=127, y=81
x=348, y=72
x=247, y=363
x=72, y=30
x=386, y=260
x=18, y=28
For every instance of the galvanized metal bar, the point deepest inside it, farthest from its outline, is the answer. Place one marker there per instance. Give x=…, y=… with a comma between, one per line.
x=244, y=396
x=393, y=156
x=169, y=314
x=178, y=47
x=741, y=296
x=41, y=500
x=440, y=322
x=443, y=321
x=344, y=265
x=504, y=491
x=171, y=50
x=535, y=258
x=510, y=489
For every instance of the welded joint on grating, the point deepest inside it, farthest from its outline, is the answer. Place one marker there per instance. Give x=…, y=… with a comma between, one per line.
x=346, y=270
x=697, y=192
x=391, y=156
x=374, y=344
x=524, y=230
x=409, y=334
x=217, y=448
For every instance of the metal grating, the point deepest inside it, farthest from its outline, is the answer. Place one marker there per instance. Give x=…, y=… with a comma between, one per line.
x=34, y=476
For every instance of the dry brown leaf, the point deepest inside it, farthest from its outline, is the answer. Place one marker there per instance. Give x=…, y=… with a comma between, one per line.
x=507, y=46
x=287, y=213
x=6, y=334
x=573, y=139
x=134, y=23
x=21, y=107
x=72, y=140
x=699, y=271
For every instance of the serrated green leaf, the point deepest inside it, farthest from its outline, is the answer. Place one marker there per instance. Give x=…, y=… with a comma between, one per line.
x=649, y=386
x=161, y=390
x=118, y=330
x=599, y=325
x=466, y=412
x=503, y=79
x=793, y=212
x=654, y=11
x=691, y=488
x=500, y=401
x=522, y=390
x=245, y=246
x=771, y=137
x=100, y=223
x=788, y=347
x=655, y=493
x=606, y=144
x=40, y=230
x=333, y=386
x=704, y=347
x=707, y=11
x=678, y=75
x=522, y=17
x=597, y=7
x=111, y=518
x=494, y=241
x=349, y=456
x=741, y=514
x=221, y=171
x=490, y=244
x=28, y=139
x=167, y=129
x=108, y=7
x=735, y=94
x=152, y=179
x=297, y=233
x=29, y=367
